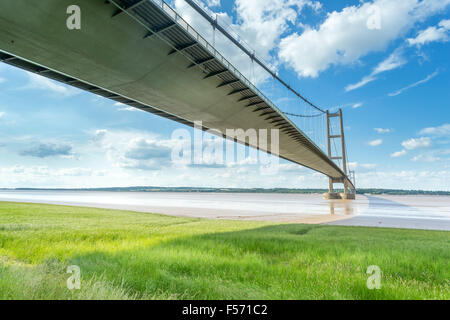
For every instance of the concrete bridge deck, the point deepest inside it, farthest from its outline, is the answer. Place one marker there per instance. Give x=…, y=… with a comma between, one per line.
x=141, y=53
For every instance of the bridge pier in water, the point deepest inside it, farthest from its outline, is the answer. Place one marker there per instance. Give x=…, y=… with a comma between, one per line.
x=348, y=194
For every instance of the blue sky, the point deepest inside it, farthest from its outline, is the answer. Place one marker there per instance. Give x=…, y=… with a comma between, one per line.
x=384, y=62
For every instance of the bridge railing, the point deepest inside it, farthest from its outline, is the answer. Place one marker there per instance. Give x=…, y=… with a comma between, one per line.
x=202, y=41
x=213, y=51
x=236, y=36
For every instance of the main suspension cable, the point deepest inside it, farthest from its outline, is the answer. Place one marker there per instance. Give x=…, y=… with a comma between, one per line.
x=211, y=20
x=303, y=116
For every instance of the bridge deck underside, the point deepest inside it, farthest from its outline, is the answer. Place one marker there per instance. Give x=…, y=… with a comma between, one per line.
x=144, y=58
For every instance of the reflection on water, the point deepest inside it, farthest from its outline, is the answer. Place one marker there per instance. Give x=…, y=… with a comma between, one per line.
x=426, y=207
x=343, y=207
x=227, y=203
x=242, y=205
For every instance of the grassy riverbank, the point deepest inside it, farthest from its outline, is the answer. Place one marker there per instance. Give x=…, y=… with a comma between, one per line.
x=129, y=255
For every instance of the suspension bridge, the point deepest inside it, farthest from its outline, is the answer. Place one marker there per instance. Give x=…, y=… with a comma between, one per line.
x=144, y=54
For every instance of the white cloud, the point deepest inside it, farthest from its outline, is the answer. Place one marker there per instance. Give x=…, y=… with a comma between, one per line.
x=1, y=114
x=76, y=172
x=368, y=166
x=291, y=167
x=376, y=143
x=382, y=130
x=260, y=23
x=412, y=144
x=143, y=149
x=135, y=149
x=124, y=107
x=364, y=166
x=42, y=171
x=418, y=83
x=2, y=80
x=45, y=150
x=39, y=82
x=398, y=154
x=432, y=34
x=360, y=84
x=44, y=176
x=344, y=37
x=425, y=158
x=443, y=130
x=409, y=180
x=394, y=61
x=445, y=24
x=213, y=3
x=353, y=105
x=131, y=109
x=416, y=143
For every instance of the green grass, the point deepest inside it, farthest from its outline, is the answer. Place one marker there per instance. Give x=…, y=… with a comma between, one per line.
x=129, y=255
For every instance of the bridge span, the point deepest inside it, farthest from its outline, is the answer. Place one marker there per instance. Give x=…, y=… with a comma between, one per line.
x=143, y=54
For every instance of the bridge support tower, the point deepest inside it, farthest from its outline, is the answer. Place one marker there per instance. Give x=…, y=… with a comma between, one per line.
x=348, y=194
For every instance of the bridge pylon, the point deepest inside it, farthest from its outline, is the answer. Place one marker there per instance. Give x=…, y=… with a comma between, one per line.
x=349, y=192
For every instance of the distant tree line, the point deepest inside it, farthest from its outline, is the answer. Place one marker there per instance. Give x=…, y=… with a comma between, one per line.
x=252, y=190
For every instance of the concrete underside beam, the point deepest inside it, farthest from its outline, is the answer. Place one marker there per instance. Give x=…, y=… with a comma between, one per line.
x=112, y=54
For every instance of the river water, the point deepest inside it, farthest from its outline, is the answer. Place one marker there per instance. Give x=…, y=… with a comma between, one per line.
x=422, y=212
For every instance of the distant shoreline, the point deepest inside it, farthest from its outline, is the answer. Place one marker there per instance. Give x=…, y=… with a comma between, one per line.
x=237, y=190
